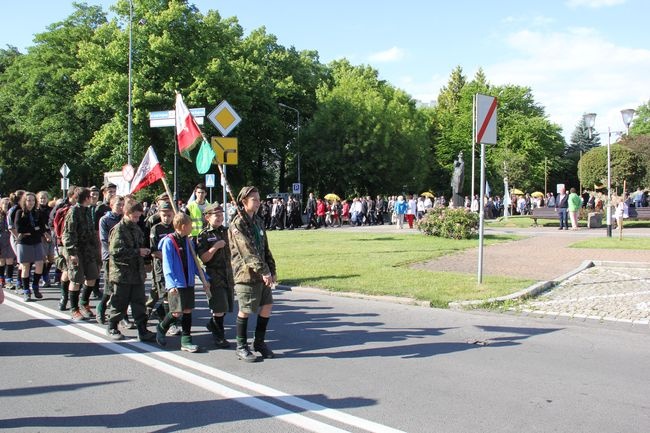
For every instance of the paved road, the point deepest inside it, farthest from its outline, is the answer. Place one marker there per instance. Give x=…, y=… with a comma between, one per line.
x=344, y=365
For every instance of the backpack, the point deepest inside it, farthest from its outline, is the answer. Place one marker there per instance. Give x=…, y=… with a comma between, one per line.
x=59, y=223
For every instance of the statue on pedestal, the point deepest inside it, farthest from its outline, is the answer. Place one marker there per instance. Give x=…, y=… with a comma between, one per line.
x=457, y=179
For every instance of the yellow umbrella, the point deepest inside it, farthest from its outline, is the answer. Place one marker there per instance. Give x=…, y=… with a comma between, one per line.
x=537, y=194
x=332, y=196
x=516, y=191
x=427, y=194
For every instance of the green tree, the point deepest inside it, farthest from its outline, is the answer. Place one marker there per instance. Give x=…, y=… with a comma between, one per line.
x=38, y=88
x=626, y=166
x=366, y=137
x=641, y=123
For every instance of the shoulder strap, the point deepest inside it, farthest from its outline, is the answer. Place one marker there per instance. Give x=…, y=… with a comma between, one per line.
x=178, y=249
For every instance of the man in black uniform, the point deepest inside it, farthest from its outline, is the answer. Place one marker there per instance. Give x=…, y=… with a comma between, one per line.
x=157, y=232
x=214, y=252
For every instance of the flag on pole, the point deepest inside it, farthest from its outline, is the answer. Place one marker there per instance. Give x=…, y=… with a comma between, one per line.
x=187, y=130
x=204, y=158
x=488, y=191
x=148, y=172
x=506, y=198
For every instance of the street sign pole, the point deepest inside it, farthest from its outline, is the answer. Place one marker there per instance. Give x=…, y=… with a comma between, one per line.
x=485, y=118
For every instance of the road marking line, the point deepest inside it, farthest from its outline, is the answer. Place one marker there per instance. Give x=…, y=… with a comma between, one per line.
x=304, y=405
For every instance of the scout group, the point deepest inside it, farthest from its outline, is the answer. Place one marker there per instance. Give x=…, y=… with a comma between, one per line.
x=82, y=236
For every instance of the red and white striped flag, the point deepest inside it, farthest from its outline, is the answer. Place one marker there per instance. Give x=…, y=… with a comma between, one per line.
x=148, y=172
x=187, y=130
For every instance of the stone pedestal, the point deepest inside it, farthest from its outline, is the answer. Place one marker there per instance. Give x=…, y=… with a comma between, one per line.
x=594, y=220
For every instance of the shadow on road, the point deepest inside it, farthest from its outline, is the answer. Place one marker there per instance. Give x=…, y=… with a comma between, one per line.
x=343, y=335
x=172, y=416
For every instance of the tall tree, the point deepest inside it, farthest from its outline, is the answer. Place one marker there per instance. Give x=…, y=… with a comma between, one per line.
x=641, y=122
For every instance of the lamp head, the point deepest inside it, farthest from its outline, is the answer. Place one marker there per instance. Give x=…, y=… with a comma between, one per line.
x=590, y=119
x=627, y=114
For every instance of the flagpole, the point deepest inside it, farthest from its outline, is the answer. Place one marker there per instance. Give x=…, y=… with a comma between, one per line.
x=199, y=265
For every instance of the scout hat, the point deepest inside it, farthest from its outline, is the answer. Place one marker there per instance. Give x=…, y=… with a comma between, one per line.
x=213, y=208
x=245, y=192
x=165, y=205
x=108, y=185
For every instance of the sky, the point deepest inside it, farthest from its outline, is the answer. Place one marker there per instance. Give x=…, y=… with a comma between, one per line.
x=577, y=56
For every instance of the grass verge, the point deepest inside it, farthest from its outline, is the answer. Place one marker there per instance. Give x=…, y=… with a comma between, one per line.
x=378, y=264
x=627, y=243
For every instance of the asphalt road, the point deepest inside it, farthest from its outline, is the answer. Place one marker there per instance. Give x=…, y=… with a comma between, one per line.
x=344, y=365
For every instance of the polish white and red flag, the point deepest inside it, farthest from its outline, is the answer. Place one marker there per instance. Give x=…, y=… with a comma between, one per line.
x=148, y=172
x=187, y=130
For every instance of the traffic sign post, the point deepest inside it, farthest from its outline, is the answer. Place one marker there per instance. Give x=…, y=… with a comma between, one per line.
x=209, y=183
x=297, y=188
x=485, y=132
x=65, y=183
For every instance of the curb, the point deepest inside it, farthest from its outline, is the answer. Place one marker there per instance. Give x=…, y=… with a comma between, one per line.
x=529, y=291
x=389, y=299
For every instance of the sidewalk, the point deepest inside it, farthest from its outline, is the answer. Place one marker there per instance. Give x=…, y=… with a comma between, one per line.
x=543, y=256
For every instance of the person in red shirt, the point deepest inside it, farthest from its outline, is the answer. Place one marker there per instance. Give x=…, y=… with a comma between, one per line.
x=321, y=209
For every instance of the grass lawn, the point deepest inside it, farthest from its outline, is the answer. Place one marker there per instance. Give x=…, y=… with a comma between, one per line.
x=378, y=264
x=627, y=243
x=526, y=221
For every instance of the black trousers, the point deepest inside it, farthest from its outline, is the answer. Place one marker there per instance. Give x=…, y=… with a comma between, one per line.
x=123, y=296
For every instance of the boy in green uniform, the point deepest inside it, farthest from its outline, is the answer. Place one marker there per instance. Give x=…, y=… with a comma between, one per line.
x=126, y=272
x=214, y=252
x=254, y=273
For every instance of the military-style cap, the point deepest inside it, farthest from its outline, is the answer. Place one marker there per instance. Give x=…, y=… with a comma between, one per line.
x=163, y=196
x=245, y=192
x=94, y=189
x=108, y=185
x=165, y=206
x=213, y=208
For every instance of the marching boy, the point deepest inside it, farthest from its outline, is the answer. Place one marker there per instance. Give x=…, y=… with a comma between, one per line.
x=179, y=271
x=215, y=254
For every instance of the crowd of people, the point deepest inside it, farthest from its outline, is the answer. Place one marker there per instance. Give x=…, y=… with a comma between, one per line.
x=71, y=242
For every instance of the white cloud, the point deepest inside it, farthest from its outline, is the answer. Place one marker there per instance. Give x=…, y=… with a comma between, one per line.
x=595, y=4
x=390, y=55
x=426, y=91
x=576, y=71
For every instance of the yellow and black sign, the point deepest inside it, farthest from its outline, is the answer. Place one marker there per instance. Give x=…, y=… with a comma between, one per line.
x=225, y=149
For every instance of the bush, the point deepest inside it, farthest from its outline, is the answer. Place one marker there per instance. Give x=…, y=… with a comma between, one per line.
x=450, y=223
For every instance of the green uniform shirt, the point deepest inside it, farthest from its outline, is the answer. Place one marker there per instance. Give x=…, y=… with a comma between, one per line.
x=249, y=248
x=79, y=234
x=125, y=263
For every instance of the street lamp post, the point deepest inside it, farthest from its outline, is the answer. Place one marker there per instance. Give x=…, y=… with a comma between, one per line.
x=297, y=139
x=130, y=115
x=590, y=122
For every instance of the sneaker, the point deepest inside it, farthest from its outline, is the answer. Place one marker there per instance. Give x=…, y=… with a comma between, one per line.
x=127, y=324
x=146, y=335
x=77, y=316
x=187, y=345
x=27, y=297
x=244, y=353
x=160, y=336
x=11, y=286
x=38, y=294
x=114, y=334
x=87, y=312
x=173, y=331
x=263, y=349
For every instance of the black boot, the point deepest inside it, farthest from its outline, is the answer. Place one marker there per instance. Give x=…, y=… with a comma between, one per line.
x=243, y=352
x=63, y=302
x=215, y=326
x=144, y=334
x=260, y=332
